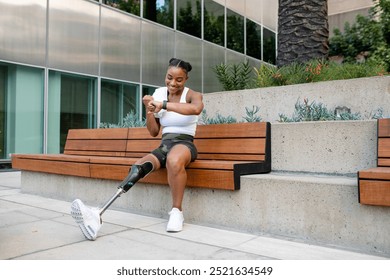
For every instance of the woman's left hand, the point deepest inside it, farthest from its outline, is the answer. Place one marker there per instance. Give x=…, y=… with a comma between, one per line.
x=154, y=106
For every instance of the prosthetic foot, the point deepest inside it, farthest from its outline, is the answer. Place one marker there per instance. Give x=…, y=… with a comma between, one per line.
x=89, y=219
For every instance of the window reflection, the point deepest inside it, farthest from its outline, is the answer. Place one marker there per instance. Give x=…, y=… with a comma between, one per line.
x=253, y=39
x=189, y=17
x=235, y=31
x=130, y=6
x=160, y=11
x=72, y=104
x=214, y=22
x=117, y=100
x=269, y=46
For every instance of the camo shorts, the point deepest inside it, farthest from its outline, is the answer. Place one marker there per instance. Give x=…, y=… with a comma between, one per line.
x=169, y=140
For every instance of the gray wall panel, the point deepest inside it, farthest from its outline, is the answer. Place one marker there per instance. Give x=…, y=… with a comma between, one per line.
x=158, y=45
x=22, y=31
x=213, y=55
x=190, y=49
x=74, y=36
x=120, y=46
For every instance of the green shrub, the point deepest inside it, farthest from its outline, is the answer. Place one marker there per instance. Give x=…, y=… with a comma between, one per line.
x=312, y=111
x=130, y=120
x=235, y=76
x=251, y=116
x=315, y=71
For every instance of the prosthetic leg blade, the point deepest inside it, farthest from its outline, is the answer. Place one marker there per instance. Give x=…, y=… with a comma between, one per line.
x=89, y=219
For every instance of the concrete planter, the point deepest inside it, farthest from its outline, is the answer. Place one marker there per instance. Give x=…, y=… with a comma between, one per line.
x=332, y=147
x=364, y=96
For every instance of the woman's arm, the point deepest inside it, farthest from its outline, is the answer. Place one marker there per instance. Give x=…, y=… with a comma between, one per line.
x=152, y=123
x=194, y=105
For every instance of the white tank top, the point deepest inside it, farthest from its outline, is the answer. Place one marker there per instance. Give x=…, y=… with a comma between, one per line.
x=173, y=122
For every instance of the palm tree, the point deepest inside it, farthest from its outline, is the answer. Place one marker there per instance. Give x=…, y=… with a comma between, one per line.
x=303, y=31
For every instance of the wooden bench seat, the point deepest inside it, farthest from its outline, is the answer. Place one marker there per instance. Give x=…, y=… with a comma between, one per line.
x=374, y=183
x=225, y=152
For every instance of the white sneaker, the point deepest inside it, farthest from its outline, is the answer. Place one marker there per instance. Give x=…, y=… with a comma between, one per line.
x=176, y=220
x=88, y=219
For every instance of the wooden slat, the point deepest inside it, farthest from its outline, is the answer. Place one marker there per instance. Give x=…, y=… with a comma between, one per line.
x=51, y=157
x=231, y=146
x=383, y=128
x=383, y=147
x=243, y=130
x=214, y=164
x=384, y=162
x=375, y=192
x=145, y=145
x=107, y=171
x=135, y=133
x=136, y=155
x=214, y=179
x=118, y=145
x=54, y=167
x=247, y=157
x=101, y=133
x=113, y=161
x=380, y=173
x=96, y=153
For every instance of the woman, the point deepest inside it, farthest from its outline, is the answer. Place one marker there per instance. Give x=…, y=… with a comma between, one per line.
x=175, y=109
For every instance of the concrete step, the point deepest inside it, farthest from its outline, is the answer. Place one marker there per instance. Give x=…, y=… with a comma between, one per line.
x=320, y=209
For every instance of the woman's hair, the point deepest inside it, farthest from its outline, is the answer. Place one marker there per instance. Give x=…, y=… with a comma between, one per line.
x=176, y=62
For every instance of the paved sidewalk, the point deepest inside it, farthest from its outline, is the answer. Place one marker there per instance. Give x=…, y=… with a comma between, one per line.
x=38, y=228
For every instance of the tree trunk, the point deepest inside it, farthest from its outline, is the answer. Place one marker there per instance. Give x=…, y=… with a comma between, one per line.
x=303, y=31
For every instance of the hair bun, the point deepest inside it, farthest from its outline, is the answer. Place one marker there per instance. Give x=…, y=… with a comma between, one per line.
x=176, y=62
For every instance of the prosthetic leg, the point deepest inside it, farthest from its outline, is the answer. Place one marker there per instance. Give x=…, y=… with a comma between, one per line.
x=89, y=219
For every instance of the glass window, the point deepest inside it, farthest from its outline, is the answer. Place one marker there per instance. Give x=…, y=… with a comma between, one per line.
x=72, y=104
x=235, y=31
x=189, y=18
x=253, y=39
x=22, y=90
x=160, y=11
x=117, y=100
x=129, y=6
x=269, y=46
x=214, y=22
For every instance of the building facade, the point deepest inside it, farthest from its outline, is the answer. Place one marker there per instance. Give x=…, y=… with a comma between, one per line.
x=80, y=63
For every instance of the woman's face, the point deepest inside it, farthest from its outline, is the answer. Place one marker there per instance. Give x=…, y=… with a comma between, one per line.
x=175, y=79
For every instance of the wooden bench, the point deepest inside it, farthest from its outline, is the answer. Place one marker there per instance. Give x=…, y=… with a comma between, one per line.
x=374, y=183
x=225, y=152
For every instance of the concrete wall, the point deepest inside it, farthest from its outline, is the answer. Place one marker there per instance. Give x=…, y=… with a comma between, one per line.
x=364, y=95
x=333, y=147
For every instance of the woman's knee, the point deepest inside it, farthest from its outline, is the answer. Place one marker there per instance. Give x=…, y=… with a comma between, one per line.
x=178, y=159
